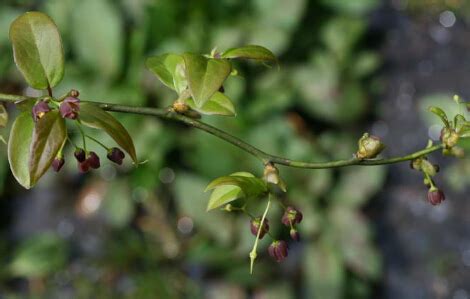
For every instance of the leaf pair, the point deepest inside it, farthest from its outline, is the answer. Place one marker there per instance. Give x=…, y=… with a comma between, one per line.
x=460, y=124
x=32, y=147
x=203, y=76
x=235, y=186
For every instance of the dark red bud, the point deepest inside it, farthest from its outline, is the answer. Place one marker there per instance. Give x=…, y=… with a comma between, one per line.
x=116, y=155
x=291, y=216
x=255, y=224
x=435, y=197
x=69, y=108
x=93, y=160
x=294, y=234
x=278, y=250
x=40, y=109
x=80, y=154
x=83, y=166
x=57, y=164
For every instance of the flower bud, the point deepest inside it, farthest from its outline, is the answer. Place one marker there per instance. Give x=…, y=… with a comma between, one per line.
x=116, y=155
x=449, y=137
x=57, y=163
x=93, y=160
x=416, y=164
x=180, y=107
x=457, y=152
x=428, y=168
x=369, y=147
x=69, y=108
x=255, y=224
x=271, y=174
x=278, y=250
x=291, y=216
x=80, y=154
x=74, y=93
x=40, y=109
x=435, y=196
x=83, y=167
x=294, y=234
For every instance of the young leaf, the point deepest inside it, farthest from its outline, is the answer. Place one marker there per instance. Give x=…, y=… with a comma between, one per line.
x=441, y=114
x=250, y=52
x=37, y=49
x=223, y=195
x=94, y=117
x=250, y=185
x=19, y=147
x=218, y=104
x=205, y=76
x=164, y=67
x=49, y=134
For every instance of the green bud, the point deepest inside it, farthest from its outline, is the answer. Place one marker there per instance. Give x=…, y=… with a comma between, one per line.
x=369, y=147
x=428, y=168
x=449, y=137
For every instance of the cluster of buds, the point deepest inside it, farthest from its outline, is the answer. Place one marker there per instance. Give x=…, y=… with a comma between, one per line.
x=369, y=147
x=278, y=248
x=435, y=195
x=68, y=108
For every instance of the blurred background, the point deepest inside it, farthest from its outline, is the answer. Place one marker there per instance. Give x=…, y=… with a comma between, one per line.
x=346, y=67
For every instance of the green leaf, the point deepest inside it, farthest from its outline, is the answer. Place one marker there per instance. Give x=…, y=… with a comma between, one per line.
x=3, y=116
x=37, y=49
x=250, y=185
x=49, y=135
x=94, y=117
x=223, y=195
x=164, y=67
x=440, y=113
x=19, y=147
x=250, y=52
x=218, y=104
x=205, y=76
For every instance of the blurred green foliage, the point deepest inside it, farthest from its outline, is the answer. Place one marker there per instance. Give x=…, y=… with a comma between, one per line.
x=156, y=239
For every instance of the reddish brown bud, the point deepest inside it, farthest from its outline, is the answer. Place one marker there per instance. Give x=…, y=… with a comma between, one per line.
x=93, y=160
x=291, y=216
x=436, y=196
x=40, y=109
x=57, y=164
x=80, y=154
x=116, y=155
x=74, y=93
x=255, y=224
x=278, y=250
x=69, y=108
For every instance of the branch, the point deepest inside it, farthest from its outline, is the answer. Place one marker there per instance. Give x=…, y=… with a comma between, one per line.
x=261, y=155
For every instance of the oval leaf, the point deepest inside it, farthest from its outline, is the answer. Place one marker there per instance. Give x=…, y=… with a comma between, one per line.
x=218, y=104
x=164, y=67
x=94, y=117
x=49, y=135
x=251, y=186
x=224, y=194
x=37, y=49
x=19, y=147
x=205, y=76
x=250, y=52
